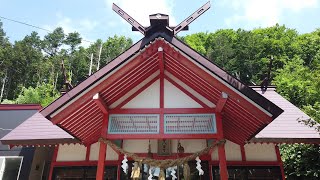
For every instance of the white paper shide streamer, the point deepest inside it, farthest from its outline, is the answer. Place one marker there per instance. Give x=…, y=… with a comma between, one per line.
x=201, y=172
x=125, y=164
x=150, y=173
x=173, y=173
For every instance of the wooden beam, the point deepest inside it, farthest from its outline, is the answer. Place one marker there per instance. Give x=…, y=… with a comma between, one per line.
x=186, y=92
x=222, y=101
x=280, y=161
x=101, y=161
x=222, y=162
x=136, y=93
x=100, y=103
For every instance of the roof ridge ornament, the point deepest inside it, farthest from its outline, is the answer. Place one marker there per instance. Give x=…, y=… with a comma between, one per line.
x=160, y=22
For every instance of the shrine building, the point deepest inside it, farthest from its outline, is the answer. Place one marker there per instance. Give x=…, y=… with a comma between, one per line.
x=165, y=106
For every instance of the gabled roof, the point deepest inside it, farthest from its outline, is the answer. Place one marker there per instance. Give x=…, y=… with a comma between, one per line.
x=286, y=128
x=78, y=114
x=185, y=49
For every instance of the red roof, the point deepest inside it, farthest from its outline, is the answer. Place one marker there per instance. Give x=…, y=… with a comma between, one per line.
x=286, y=128
x=20, y=107
x=37, y=130
x=79, y=115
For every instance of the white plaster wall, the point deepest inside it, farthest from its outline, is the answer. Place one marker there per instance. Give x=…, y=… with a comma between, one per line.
x=233, y=152
x=149, y=98
x=140, y=146
x=175, y=98
x=71, y=152
x=94, y=153
x=133, y=90
x=189, y=145
x=189, y=89
x=260, y=152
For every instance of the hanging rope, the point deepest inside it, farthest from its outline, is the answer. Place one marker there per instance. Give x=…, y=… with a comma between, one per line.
x=162, y=163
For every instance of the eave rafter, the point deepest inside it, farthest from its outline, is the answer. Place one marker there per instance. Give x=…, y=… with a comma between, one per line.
x=160, y=56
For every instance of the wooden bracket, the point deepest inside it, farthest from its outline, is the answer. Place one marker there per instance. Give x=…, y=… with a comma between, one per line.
x=101, y=104
x=222, y=101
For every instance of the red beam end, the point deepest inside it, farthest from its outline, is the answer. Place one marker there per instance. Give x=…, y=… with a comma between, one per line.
x=101, y=104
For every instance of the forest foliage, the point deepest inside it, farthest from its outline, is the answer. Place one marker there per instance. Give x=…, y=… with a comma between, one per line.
x=30, y=70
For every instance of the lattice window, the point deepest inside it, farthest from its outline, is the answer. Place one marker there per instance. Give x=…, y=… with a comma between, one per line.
x=189, y=124
x=133, y=124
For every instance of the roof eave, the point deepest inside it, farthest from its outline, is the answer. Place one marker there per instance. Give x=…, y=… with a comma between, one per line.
x=286, y=140
x=30, y=142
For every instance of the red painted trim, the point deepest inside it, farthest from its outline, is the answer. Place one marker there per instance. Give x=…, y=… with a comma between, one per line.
x=220, y=104
x=101, y=161
x=135, y=82
x=219, y=123
x=222, y=163
x=54, y=158
x=70, y=124
x=92, y=133
x=105, y=124
x=172, y=156
x=199, y=89
x=137, y=93
x=186, y=92
x=205, y=157
x=83, y=163
x=185, y=72
x=88, y=153
x=214, y=82
x=161, y=136
x=80, y=128
x=129, y=67
x=20, y=106
x=243, y=153
x=121, y=84
x=100, y=103
x=113, y=94
x=247, y=163
x=280, y=161
x=165, y=111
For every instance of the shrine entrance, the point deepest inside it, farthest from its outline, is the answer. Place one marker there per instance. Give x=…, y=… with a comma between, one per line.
x=160, y=110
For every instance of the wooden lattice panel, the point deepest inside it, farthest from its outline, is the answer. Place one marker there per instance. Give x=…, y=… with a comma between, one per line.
x=133, y=124
x=189, y=124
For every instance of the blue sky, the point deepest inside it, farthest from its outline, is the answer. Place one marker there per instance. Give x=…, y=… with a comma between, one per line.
x=96, y=20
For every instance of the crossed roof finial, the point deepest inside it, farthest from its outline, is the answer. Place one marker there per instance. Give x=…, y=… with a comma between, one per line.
x=160, y=22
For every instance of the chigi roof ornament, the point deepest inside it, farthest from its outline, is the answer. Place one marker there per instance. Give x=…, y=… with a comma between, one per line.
x=160, y=22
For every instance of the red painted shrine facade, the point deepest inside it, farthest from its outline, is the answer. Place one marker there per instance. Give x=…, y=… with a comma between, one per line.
x=160, y=90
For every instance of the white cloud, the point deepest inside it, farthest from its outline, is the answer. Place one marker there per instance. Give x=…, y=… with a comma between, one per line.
x=141, y=9
x=82, y=26
x=265, y=12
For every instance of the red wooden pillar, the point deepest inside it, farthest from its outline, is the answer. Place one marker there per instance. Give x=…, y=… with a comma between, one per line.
x=222, y=163
x=280, y=161
x=221, y=151
x=54, y=159
x=101, y=160
x=103, y=147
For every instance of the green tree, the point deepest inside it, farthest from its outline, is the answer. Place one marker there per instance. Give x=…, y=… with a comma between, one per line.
x=42, y=94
